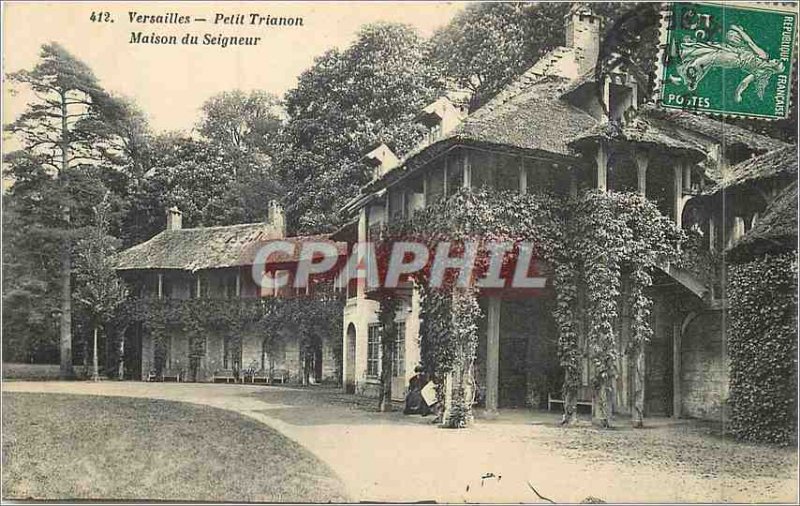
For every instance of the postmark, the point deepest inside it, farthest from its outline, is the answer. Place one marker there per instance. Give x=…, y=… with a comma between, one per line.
x=729, y=59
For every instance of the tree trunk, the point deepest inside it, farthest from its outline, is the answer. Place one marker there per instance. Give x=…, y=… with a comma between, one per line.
x=387, y=313
x=602, y=406
x=66, y=371
x=637, y=413
x=121, y=358
x=570, y=394
x=95, y=371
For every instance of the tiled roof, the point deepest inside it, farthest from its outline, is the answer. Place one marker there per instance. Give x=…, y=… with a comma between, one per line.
x=775, y=230
x=719, y=131
x=777, y=163
x=640, y=131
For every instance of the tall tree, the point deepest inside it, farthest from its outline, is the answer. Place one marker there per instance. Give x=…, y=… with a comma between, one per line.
x=97, y=287
x=487, y=45
x=345, y=102
x=241, y=121
x=64, y=129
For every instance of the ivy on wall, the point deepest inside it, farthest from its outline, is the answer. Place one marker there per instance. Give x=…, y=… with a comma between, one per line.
x=591, y=242
x=314, y=317
x=762, y=346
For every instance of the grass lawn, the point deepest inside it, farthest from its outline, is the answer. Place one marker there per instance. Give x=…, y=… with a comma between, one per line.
x=88, y=447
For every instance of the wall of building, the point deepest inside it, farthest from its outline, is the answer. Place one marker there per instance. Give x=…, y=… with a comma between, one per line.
x=361, y=312
x=704, y=367
x=658, y=358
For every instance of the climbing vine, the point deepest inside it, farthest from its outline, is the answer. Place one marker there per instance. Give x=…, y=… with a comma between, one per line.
x=590, y=243
x=762, y=344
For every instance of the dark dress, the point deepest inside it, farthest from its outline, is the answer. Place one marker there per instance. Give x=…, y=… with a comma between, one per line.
x=415, y=403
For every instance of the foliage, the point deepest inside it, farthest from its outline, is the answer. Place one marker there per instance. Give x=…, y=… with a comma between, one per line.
x=69, y=155
x=487, y=45
x=210, y=184
x=97, y=286
x=348, y=101
x=241, y=121
x=762, y=345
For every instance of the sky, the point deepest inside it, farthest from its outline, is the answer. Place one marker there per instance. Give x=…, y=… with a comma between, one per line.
x=170, y=82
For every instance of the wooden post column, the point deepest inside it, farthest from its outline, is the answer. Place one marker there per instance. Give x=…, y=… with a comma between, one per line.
x=492, y=354
x=602, y=167
x=467, y=171
x=642, y=161
x=523, y=177
x=677, y=188
x=160, y=285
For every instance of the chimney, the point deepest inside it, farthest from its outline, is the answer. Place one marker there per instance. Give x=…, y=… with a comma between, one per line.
x=174, y=219
x=583, y=29
x=276, y=217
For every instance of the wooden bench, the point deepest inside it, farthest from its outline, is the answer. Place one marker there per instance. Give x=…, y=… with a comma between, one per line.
x=225, y=375
x=172, y=375
x=584, y=398
x=279, y=375
x=261, y=376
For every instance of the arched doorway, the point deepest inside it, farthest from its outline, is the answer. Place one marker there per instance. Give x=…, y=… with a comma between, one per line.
x=350, y=363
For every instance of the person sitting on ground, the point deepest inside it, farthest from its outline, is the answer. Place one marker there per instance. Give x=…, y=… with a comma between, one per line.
x=415, y=403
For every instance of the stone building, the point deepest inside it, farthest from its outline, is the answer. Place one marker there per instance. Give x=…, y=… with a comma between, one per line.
x=182, y=264
x=561, y=129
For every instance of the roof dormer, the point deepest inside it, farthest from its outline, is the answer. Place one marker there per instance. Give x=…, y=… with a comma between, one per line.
x=441, y=117
x=382, y=159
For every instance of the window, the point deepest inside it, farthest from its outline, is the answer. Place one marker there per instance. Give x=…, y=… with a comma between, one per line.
x=399, y=358
x=374, y=351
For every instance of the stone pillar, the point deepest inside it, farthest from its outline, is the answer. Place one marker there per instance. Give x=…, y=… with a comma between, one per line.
x=602, y=167
x=642, y=161
x=492, y=354
x=676, y=370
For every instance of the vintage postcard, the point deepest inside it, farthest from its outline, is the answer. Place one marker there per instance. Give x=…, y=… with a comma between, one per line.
x=401, y=252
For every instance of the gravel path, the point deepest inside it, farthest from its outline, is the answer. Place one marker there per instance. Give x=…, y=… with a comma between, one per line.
x=390, y=457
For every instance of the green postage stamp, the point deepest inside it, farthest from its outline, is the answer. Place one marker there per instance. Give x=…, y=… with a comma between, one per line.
x=731, y=59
